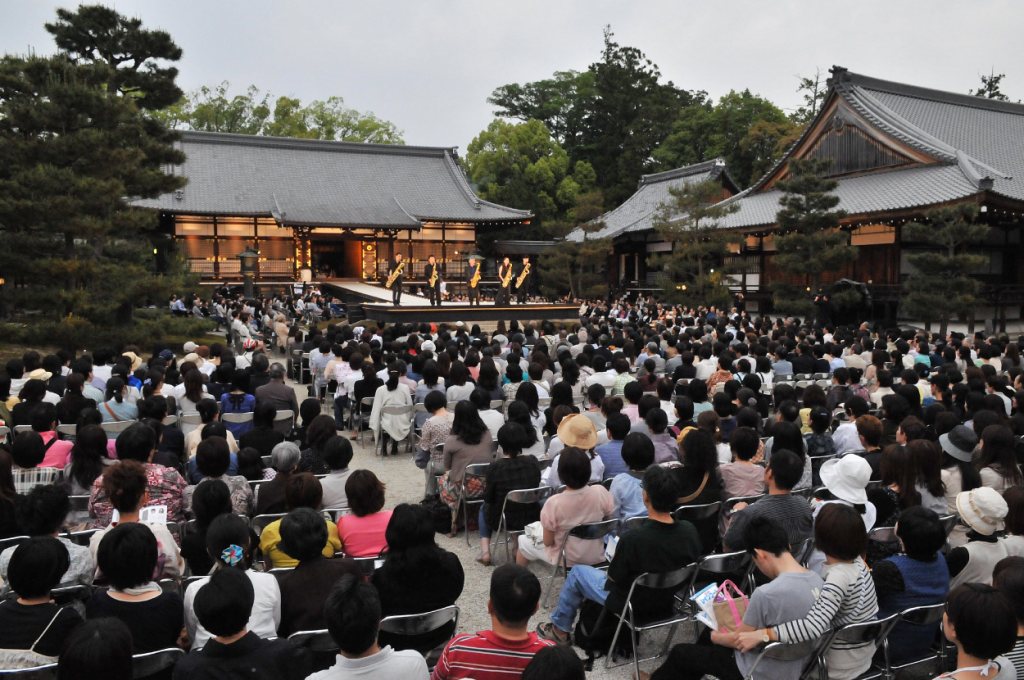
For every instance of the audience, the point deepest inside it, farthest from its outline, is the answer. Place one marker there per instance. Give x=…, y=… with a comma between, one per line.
x=301, y=491
x=97, y=648
x=362, y=532
x=511, y=472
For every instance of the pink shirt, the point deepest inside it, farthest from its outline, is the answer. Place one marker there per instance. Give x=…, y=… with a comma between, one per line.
x=565, y=510
x=363, y=536
x=58, y=454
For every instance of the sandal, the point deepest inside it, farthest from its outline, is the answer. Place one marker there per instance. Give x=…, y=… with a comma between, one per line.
x=548, y=631
x=485, y=562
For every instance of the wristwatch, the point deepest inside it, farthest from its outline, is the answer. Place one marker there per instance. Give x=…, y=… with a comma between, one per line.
x=766, y=638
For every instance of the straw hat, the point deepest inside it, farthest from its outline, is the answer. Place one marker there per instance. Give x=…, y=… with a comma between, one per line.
x=982, y=509
x=847, y=478
x=39, y=374
x=577, y=430
x=135, y=359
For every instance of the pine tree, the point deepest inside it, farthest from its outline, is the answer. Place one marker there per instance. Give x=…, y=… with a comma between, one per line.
x=77, y=145
x=941, y=283
x=694, y=272
x=577, y=269
x=809, y=241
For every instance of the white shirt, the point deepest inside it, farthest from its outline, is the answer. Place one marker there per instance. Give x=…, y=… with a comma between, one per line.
x=263, y=619
x=493, y=420
x=846, y=438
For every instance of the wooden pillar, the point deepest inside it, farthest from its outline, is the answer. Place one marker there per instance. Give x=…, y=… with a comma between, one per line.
x=216, y=249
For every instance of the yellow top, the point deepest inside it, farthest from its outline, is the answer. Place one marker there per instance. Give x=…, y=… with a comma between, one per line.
x=270, y=544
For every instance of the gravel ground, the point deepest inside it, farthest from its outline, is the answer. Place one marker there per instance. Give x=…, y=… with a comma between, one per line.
x=404, y=482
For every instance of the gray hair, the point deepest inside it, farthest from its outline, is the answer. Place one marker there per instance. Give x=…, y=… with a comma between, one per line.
x=277, y=371
x=285, y=456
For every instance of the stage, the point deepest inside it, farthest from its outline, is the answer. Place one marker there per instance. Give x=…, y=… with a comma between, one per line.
x=374, y=302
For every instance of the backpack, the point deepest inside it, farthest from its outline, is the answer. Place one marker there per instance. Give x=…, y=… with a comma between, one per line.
x=594, y=631
x=439, y=513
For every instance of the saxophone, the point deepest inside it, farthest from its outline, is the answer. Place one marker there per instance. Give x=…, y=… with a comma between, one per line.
x=393, y=276
x=507, y=279
x=522, y=276
x=433, y=277
x=475, y=279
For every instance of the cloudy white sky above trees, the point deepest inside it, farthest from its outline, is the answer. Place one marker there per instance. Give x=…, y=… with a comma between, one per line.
x=429, y=65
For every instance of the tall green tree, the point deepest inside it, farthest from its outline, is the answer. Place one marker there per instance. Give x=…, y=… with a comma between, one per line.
x=76, y=144
x=522, y=165
x=613, y=115
x=808, y=242
x=748, y=131
x=577, y=269
x=990, y=87
x=694, y=272
x=213, y=109
x=942, y=283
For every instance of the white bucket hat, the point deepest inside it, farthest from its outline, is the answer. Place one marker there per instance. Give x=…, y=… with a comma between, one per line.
x=847, y=478
x=982, y=509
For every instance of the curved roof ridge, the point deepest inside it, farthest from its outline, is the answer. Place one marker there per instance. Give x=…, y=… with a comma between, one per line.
x=234, y=138
x=685, y=171
x=411, y=217
x=932, y=94
x=475, y=201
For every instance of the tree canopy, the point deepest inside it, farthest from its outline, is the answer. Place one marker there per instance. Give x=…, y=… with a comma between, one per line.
x=215, y=109
x=75, y=145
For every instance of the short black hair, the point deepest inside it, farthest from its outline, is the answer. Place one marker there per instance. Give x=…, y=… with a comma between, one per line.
x=28, y=449
x=558, y=662
x=37, y=566
x=127, y=555
x=224, y=603
x=839, y=531
x=1008, y=578
x=303, y=534
x=515, y=592
x=656, y=420
x=983, y=619
x=44, y=415
x=225, y=531
x=213, y=456
x=786, y=468
x=744, y=442
x=512, y=439
x=661, y=487
x=97, y=648
x=762, y=533
x=921, y=531
x=574, y=467
x=637, y=450
x=353, y=612
x=136, y=443
x=42, y=510
x=211, y=498
x=337, y=453
x=434, y=401
x=618, y=425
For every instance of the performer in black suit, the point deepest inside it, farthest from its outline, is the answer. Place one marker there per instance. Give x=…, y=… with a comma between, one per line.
x=473, y=275
x=522, y=282
x=396, y=275
x=433, y=273
x=505, y=274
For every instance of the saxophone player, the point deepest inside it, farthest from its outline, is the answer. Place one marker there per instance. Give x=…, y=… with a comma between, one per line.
x=523, y=280
x=473, y=271
x=396, y=272
x=433, y=273
x=505, y=283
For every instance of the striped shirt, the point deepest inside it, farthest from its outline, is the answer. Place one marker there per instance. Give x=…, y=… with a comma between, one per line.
x=1016, y=657
x=848, y=596
x=486, y=656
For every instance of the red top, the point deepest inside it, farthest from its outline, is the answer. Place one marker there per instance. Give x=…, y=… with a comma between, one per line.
x=486, y=656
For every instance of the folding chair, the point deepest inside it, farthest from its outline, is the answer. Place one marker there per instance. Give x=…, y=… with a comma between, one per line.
x=188, y=422
x=926, y=615
x=237, y=418
x=697, y=513
x=169, y=421
x=414, y=625
x=169, y=585
x=783, y=651
x=479, y=471
x=260, y=522
x=863, y=633
x=19, y=429
x=361, y=415
x=397, y=410
x=802, y=551
x=4, y=433
x=592, y=531
x=630, y=523
x=12, y=542
x=44, y=672
x=116, y=427
x=81, y=537
x=284, y=421
x=69, y=594
x=319, y=643
x=533, y=496
x=730, y=503
x=66, y=431
x=816, y=463
x=669, y=580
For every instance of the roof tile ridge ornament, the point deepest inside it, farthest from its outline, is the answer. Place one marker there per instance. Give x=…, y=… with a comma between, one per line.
x=326, y=145
x=967, y=166
x=684, y=171
x=279, y=214
x=933, y=94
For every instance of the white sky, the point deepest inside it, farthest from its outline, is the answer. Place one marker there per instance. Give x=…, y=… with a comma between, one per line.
x=429, y=65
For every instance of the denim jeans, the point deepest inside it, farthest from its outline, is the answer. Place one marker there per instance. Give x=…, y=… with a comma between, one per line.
x=583, y=583
x=485, y=530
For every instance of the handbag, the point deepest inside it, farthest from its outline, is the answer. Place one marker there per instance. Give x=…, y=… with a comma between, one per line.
x=729, y=607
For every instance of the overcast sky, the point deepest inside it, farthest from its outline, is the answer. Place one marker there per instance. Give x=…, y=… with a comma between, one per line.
x=428, y=66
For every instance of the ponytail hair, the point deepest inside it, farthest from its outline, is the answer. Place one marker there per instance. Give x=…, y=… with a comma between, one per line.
x=393, y=375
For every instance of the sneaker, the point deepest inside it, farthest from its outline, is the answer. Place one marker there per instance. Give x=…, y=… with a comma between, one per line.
x=547, y=631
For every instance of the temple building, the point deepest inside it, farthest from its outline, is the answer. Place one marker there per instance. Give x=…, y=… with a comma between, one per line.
x=631, y=224
x=322, y=209
x=898, y=151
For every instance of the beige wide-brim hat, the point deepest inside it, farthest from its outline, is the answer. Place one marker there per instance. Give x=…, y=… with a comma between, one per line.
x=577, y=430
x=135, y=359
x=39, y=374
x=983, y=509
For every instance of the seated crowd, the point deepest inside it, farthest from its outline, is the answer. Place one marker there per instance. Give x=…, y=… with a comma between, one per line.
x=859, y=472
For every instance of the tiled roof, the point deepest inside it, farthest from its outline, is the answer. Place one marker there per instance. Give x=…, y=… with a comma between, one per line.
x=637, y=213
x=978, y=145
x=313, y=182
